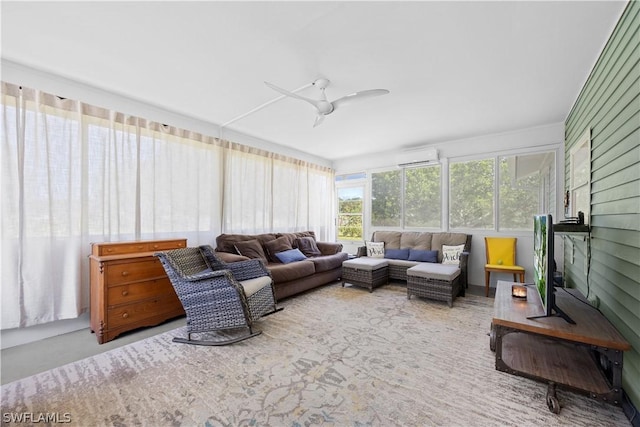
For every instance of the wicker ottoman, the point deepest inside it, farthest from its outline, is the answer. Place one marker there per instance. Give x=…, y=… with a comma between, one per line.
x=434, y=281
x=366, y=272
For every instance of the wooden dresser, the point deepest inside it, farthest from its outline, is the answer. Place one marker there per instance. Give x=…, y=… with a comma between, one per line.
x=129, y=288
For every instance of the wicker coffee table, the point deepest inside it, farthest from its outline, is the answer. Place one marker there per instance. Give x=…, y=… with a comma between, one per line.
x=434, y=281
x=365, y=272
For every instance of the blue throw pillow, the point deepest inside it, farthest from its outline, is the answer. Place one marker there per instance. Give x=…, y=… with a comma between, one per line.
x=423, y=256
x=291, y=255
x=396, y=253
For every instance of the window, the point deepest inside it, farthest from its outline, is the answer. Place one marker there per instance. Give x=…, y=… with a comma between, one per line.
x=422, y=197
x=350, y=213
x=471, y=194
x=525, y=189
x=580, y=177
x=386, y=192
x=408, y=197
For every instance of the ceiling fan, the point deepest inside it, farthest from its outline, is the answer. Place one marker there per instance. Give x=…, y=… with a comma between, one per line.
x=322, y=105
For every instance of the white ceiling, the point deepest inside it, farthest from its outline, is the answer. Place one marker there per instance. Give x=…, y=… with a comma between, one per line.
x=453, y=69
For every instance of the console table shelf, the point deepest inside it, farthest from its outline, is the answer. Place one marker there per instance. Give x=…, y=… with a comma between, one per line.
x=551, y=350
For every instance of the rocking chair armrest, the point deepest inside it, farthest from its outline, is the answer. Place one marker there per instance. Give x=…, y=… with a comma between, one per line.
x=203, y=275
x=248, y=269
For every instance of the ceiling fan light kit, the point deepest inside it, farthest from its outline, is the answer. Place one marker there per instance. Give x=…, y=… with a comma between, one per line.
x=322, y=105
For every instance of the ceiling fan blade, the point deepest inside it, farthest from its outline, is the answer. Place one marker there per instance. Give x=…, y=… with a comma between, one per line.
x=357, y=96
x=319, y=120
x=292, y=95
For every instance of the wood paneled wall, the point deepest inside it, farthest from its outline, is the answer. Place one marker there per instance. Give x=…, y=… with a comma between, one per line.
x=609, y=105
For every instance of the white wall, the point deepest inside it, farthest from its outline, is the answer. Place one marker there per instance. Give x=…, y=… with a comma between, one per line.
x=542, y=138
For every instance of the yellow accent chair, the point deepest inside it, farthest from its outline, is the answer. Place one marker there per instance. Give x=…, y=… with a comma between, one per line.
x=501, y=258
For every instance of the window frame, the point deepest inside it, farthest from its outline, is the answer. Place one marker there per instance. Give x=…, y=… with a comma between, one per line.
x=583, y=143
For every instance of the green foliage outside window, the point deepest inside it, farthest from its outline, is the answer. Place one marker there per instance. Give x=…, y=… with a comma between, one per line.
x=350, y=213
x=385, y=199
x=471, y=194
x=519, y=198
x=422, y=197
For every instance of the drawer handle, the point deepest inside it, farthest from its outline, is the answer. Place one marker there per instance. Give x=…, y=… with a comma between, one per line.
x=155, y=246
x=125, y=273
x=125, y=293
x=109, y=250
x=125, y=315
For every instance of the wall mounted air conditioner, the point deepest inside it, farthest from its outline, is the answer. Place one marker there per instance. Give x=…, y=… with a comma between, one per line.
x=417, y=157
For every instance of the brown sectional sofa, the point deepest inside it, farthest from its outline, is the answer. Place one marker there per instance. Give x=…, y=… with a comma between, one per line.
x=319, y=268
x=421, y=241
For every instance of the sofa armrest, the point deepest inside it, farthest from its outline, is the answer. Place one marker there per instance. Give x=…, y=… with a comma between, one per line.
x=464, y=262
x=329, y=248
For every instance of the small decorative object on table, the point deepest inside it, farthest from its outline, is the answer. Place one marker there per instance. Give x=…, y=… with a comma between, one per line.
x=518, y=291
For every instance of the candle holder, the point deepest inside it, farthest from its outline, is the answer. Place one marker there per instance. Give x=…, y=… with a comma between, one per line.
x=519, y=291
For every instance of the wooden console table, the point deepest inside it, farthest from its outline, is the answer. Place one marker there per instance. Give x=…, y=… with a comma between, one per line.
x=585, y=357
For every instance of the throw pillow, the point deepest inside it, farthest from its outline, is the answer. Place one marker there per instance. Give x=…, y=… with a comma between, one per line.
x=251, y=249
x=308, y=247
x=280, y=244
x=451, y=254
x=291, y=255
x=396, y=253
x=423, y=256
x=375, y=249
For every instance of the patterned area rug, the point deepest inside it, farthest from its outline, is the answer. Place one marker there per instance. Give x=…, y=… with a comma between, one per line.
x=334, y=356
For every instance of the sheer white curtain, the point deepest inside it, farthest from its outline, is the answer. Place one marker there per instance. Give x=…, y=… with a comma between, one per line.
x=73, y=174
x=266, y=192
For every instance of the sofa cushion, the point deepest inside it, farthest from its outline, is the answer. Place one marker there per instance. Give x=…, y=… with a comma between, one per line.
x=366, y=263
x=423, y=256
x=251, y=249
x=227, y=242
x=291, y=255
x=251, y=286
x=416, y=240
x=329, y=262
x=449, y=239
x=435, y=271
x=397, y=253
x=391, y=239
x=286, y=272
x=292, y=237
x=402, y=263
x=308, y=246
x=280, y=244
x=329, y=248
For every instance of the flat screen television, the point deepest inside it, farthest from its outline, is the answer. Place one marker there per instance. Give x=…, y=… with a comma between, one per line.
x=543, y=266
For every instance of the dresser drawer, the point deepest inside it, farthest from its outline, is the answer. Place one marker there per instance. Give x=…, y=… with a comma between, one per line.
x=165, y=245
x=122, y=248
x=137, y=312
x=133, y=292
x=126, y=272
